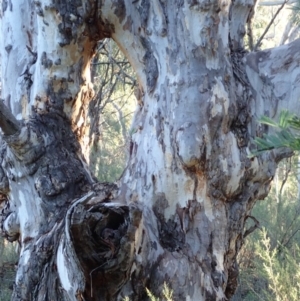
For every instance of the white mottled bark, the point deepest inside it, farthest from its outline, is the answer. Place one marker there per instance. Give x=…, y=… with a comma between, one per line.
x=179, y=211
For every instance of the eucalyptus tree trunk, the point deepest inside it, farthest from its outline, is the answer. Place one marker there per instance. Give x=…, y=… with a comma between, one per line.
x=177, y=214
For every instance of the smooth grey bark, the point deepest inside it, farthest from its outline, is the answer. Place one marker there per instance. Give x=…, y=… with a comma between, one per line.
x=177, y=215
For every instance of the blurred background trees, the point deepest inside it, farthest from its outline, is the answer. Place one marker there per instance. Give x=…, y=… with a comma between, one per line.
x=115, y=102
x=8, y=260
x=270, y=259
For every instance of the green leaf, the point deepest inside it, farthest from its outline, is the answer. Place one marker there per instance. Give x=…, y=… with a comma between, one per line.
x=287, y=134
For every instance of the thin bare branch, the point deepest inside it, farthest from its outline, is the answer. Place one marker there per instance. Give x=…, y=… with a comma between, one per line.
x=252, y=228
x=288, y=170
x=269, y=25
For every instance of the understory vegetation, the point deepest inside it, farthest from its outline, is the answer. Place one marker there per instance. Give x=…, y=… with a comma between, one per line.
x=8, y=260
x=270, y=259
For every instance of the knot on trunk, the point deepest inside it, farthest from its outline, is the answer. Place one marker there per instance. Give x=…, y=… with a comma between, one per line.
x=107, y=256
x=191, y=146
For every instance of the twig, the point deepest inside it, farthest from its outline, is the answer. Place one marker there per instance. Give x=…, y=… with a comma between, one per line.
x=269, y=25
x=288, y=170
x=290, y=238
x=91, y=278
x=254, y=227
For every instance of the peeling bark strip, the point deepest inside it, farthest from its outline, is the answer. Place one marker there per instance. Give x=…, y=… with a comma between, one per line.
x=179, y=210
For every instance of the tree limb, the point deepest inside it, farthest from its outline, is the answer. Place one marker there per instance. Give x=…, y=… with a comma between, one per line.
x=241, y=12
x=274, y=77
x=8, y=123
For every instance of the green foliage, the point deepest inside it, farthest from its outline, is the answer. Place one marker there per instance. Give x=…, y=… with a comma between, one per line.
x=269, y=260
x=167, y=294
x=287, y=133
x=295, y=7
x=274, y=274
x=8, y=258
x=280, y=267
